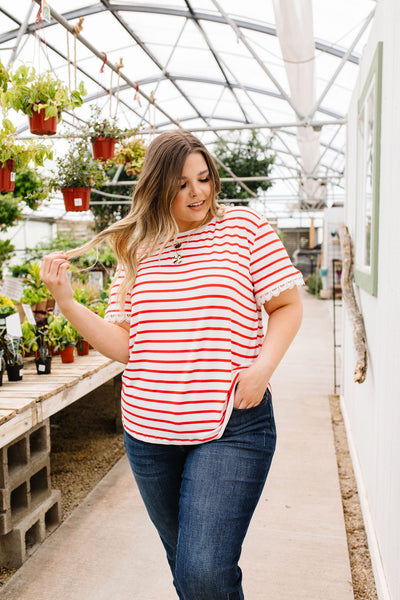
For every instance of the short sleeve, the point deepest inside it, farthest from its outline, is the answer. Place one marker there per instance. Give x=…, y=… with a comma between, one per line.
x=113, y=313
x=271, y=269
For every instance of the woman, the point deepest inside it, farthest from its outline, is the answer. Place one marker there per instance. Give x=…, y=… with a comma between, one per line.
x=184, y=315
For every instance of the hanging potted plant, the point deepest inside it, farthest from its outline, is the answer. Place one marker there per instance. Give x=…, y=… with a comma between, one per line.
x=77, y=172
x=131, y=155
x=103, y=134
x=64, y=337
x=42, y=97
x=16, y=154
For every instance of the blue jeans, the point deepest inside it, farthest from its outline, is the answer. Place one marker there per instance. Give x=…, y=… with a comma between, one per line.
x=201, y=499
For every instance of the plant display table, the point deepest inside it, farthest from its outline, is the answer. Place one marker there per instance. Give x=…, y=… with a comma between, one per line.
x=29, y=508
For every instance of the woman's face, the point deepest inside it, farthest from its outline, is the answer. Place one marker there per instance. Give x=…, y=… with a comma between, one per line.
x=193, y=201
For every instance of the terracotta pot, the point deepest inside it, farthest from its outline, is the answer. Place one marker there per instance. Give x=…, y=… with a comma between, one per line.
x=67, y=355
x=7, y=177
x=103, y=148
x=76, y=199
x=43, y=367
x=39, y=125
x=14, y=372
x=50, y=303
x=82, y=347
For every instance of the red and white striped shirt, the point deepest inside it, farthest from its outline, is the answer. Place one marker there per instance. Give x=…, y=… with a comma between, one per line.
x=195, y=325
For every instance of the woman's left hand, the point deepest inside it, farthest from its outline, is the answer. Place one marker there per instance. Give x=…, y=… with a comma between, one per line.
x=250, y=388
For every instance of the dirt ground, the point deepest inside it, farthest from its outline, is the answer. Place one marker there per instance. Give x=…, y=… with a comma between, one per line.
x=360, y=561
x=85, y=446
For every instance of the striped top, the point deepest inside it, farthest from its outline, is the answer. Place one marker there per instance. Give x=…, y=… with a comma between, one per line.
x=195, y=325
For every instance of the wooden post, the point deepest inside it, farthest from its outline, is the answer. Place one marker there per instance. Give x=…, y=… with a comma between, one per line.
x=356, y=318
x=311, y=243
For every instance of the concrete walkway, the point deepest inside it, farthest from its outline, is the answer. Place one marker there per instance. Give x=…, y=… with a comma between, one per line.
x=296, y=547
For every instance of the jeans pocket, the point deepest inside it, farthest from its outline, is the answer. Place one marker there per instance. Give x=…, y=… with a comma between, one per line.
x=264, y=401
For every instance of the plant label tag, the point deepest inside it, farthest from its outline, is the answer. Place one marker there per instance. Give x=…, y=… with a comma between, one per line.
x=2, y=321
x=41, y=368
x=13, y=325
x=57, y=310
x=46, y=11
x=78, y=202
x=21, y=372
x=12, y=176
x=29, y=314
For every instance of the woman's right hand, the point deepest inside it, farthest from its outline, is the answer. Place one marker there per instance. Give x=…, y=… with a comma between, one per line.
x=53, y=273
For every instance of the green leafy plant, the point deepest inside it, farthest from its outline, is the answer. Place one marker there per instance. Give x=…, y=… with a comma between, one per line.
x=31, y=93
x=10, y=211
x=6, y=252
x=61, y=333
x=4, y=78
x=7, y=306
x=249, y=157
x=30, y=187
x=131, y=155
x=21, y=152
x=11, y=346
x=314, y=283
x=35, y=290
x=102, y=127
x=36, y=338
x=29, y=337
x=77, y=168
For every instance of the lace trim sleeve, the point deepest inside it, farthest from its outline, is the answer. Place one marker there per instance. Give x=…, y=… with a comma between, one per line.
x=287, y=285
x=117, y=317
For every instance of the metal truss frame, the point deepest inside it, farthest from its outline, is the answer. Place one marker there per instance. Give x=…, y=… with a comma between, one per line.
x=227, y=82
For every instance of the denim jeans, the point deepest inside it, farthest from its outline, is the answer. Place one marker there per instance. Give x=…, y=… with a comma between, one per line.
x=201, y=499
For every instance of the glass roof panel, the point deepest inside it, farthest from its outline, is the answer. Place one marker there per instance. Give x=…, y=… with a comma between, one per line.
x=188, y=79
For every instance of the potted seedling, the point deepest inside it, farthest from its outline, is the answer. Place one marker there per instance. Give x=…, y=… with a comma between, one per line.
x=10, y=345
x=64, y=337
x=42, y=97
x=36, y=340
x=16, y=155
x=77, y=172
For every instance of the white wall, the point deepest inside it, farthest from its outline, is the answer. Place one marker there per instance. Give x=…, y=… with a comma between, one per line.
x=28, y=233
x=372, y=409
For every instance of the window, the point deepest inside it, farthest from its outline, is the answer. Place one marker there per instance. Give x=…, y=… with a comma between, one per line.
x=368, y=177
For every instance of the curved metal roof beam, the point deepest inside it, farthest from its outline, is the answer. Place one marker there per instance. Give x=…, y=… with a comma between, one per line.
x=321, y=45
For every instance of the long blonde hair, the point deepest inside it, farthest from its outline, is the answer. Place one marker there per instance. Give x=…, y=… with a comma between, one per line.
x=150, y=222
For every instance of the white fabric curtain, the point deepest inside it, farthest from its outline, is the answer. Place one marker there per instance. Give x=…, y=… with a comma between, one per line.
x=294, y=26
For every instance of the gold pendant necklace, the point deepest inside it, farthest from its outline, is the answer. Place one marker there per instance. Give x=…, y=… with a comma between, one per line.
x=177, y=257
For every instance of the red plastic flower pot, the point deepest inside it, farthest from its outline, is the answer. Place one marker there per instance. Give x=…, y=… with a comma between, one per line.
x=7, y=177
x=103, y=148
x=76, y=199
x=39, y=125
x=67, y=355
x=82, y=347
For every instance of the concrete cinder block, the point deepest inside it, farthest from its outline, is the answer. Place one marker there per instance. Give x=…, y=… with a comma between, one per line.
x=28, y=487
x=17, y=545
x=17, y=456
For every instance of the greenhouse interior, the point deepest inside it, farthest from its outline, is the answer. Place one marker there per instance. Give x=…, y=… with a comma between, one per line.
x=297, y=103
